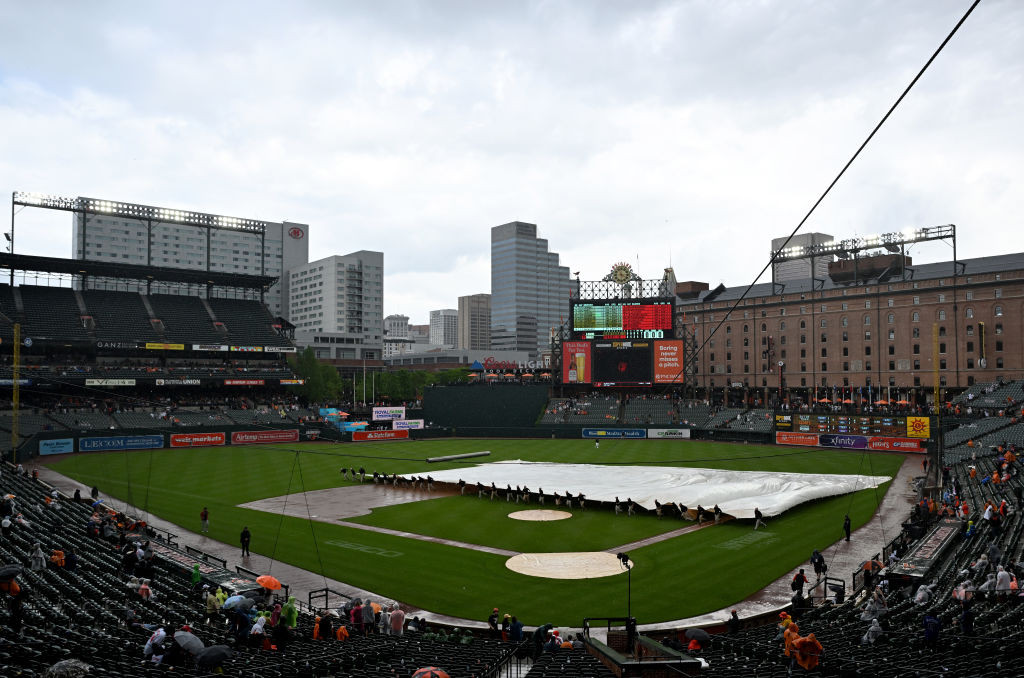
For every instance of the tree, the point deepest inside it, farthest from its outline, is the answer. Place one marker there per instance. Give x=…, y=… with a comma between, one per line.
x=323, y=383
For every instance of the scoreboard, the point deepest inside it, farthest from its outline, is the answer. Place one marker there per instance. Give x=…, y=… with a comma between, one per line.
x=849, y=424
x=618, y=319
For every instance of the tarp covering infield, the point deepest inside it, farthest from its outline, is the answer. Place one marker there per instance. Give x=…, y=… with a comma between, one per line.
x=737, y=493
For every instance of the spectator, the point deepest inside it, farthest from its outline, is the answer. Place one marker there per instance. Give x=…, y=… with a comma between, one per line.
x=397, y=621
x=932, y=627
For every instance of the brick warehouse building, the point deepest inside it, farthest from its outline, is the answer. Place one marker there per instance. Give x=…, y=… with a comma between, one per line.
x=841, y=331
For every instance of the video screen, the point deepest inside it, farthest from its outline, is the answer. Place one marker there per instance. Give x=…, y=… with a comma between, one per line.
x=621, y=363
x=622, y=320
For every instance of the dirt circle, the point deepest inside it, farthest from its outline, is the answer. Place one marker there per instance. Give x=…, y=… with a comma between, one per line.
x=577, y=565
x=539, y=515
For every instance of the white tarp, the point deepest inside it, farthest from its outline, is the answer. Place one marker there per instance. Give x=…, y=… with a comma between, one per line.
x=737, y=493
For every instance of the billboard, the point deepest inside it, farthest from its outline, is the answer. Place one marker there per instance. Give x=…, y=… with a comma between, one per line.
x=110, y=382
x=120, y=443
x=260, y=437
x=668, y=361
x=388, y=413
x=156, y=346
x=243, y=382
x=614, y=433
x=669, y=433
x=366, y=436
x=57, y=446
x=407, y=424
x=846, y=441
x=622, y=363
x=209, y=347
x=197, y=439
x=177, y=382
x=576, y=362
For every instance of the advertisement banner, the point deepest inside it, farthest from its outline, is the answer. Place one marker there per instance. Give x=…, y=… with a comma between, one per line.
x=243, y=382
x=154, y=346
x=365, y=436
x=783, y=422
x=665, y=433
x=292, y=382
x=845, y=442
x=895, y=444
x=110, y=382
x=668, y=361
x=118, y=345
x=576, y=362
x=258, y=437
x=177, y=382
x=248, y=349
x=209, y=347
x=407, y=424
x=388, y=413
x=57, y=446
x=10, y=382
x=197, y=439
x=614, y=433
x=280, y=349
x=788, y=438
x=919, y=427
x=120, y=443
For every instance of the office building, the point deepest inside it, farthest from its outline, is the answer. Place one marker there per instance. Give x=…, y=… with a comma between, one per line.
x=337, y=305
x=134, y=234
x=529, y=289
x=800, y=269
x=444, y=327
x=474, y=322
x=396, y=335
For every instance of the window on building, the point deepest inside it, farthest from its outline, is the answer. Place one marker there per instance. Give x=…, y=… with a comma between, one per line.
x=998, y=311
x=746, y=328
x=999, y=328
x=970, y=330
x=917, y=349
x=890, y=303
x=846, y=366
x=824, y=337
x=969, y=294
x=892, y=365
x=916, y=333
x=969, y=312
x=891, y=318
x=843, y=322
x=867, y=319
x=843, y=305
x=998, y=293
x=824, y=352
x=846, y=351
x=846, y=336
x=942, y=364
x=942, y=298
x=764, y=327
x=867, y=350
x=824, y=323
x=915, y=317
x=803, y=324
x=917, y=380
x=942, y=315
x=970, y=347
x=917, y=300
x=728, y=329
x=942, y=347
x=803, y=338
x=942, y=331
x=824, y=368
x=782, y=325
x=892, y=334
x=970, y=363
x=892, y=350
x=803, y=353
x=999, y=363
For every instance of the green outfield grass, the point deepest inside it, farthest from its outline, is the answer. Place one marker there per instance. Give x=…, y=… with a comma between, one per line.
x=681, y=577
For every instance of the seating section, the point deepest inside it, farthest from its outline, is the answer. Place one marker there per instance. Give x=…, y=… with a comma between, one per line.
x=185, y=319
x=590, y=410
x=643, y=410
x=761, y=421
x=722, y=417
x=140, y=420
x=51, y=312
x=119, y=316
x=80, y=614
x=30, y=424
x=249, y=323
x=568, y=664
x=83, y=420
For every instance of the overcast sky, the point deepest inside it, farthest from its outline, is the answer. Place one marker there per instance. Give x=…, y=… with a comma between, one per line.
x=639, y=131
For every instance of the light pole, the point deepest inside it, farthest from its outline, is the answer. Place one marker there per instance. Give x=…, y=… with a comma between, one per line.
x=630, y=624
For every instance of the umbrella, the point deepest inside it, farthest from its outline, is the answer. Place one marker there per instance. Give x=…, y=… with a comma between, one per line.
x=848, y=401
x=492, y=376
x=824, y=400
x=375, y=606
x=97, y=503
x=268, y=582
x=68, y=668
x=526, y=374
x=509, y=374
x=871, y=565
x=213, y=656
x=882, y=402
x=902, y=402
x=8, y=496
x=238, y=601
x=473, y=376
x=700, y=635
x=189, y=642
x=10, y=571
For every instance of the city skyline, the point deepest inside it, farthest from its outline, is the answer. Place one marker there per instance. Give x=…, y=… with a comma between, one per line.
x=656, y=133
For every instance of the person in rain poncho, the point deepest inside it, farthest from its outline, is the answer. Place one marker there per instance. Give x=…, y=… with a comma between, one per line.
x=326, y=626
x=38, y=560
x=275, y=616
x=368, y=617
x=154, y=646
x=924, y=594
x=144, y=589
x=221, y=596
x=1002, y=581
x=289, y=613
x=808, y=651
x=989, y=584
x=874, y=632
x=196, y=577
x=790, y=635
x=257, y=632
x=213, y=605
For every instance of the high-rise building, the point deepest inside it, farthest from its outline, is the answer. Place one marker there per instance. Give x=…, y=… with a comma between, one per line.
x=136, y=234
x=337, y=305
x=801, y=269
x=475, y=322
x=529, y=289
x=396, y=335
x=420, y=334
x=444, y=327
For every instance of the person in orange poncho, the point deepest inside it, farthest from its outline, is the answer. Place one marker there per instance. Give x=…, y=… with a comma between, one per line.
x=790, y=636
x=341, y=633
x=808, y=651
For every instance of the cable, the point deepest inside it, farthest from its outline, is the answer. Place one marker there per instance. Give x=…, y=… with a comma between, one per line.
x=280, y=522
x=309, y=519
x=839, y=176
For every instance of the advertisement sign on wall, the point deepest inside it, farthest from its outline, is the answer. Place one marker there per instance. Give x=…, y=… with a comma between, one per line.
x=388, y=413
x=120, y=443
x=243, y=382
x=197, y=439
x=849, y=442
x=614, y=433
x=407, y=424
x=364, y=436
x=209, y=347
x=576, y=362
x=669, y=433
x=259, y=437
x=155, y=346
x=668, y=361
x=110, y=382
x=177, y=382
x=57, y=446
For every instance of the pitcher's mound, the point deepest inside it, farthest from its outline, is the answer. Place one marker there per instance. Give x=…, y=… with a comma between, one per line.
x=580, y=565
x=540, y=514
